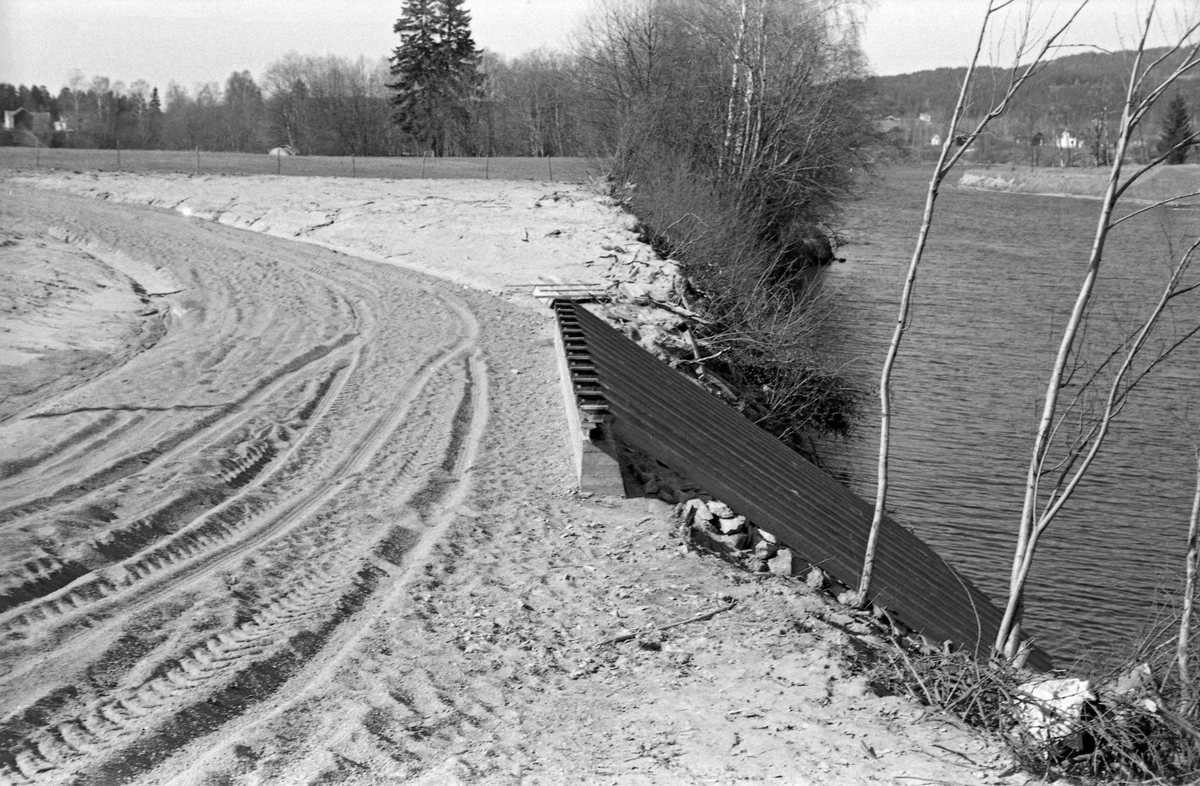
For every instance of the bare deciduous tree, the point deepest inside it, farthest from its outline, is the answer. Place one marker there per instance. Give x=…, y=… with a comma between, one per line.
x=1136, y=358
x=954, y=145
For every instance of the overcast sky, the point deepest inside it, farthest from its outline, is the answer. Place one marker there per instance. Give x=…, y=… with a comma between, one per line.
x=196, y=41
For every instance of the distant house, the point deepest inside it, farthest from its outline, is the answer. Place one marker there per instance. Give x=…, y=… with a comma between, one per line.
x=28, y=128
x=1068, y=141
x=925, y=117
x=935, y=140
x=24, y=120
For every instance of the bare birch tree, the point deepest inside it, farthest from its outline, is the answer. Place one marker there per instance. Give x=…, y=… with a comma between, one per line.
x=1183, y=645
x=954, y=145
x=1148, y=81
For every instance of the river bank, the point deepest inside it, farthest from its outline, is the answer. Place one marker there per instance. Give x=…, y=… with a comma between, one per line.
x=1164, y=182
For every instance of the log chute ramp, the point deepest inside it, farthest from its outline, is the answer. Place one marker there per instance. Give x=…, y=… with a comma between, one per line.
x=656, y=410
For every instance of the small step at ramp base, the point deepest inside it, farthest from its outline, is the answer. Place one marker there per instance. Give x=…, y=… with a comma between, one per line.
x=589, y=427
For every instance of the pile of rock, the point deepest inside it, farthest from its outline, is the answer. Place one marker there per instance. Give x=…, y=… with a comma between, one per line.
x=714, y=526
x=648, y=300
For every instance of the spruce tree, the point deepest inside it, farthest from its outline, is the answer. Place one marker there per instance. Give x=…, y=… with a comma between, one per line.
x=154, y=121
x=437, y=74
x=1176, y=131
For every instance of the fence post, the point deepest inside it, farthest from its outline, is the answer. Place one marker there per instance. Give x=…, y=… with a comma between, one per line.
x=550, y=166
x=353, y=167
x=278, y=162
x=487, y=168
x=118, y=155
x=424, y=158
x=197, y=159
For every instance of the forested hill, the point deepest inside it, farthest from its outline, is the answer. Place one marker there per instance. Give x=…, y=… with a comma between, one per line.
x=1071, y=93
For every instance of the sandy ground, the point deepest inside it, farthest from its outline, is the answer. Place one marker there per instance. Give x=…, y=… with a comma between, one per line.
x=275, y=513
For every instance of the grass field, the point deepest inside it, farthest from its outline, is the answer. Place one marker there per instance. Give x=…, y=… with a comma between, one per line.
x=562, y=170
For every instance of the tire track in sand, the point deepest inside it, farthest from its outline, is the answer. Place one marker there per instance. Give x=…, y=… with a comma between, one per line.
x=236, y=669
x=415, y=447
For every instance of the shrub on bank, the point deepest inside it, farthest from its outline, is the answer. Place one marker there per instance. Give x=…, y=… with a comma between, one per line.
x=739, y=130
x=762, y=306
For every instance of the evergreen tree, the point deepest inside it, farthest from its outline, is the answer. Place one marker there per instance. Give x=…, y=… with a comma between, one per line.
x=436, y=70
x=1176, y=131
x=154, y=121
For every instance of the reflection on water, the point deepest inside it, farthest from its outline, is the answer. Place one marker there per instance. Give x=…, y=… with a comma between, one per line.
x=995, y=288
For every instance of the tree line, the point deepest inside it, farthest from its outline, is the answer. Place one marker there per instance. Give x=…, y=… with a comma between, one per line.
x=436, y=93
x=530, y=105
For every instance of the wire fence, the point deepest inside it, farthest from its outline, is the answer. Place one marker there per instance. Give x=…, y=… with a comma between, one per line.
x=550, y=169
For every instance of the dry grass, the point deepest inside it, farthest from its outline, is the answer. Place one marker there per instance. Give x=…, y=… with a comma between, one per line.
x=1134, y=732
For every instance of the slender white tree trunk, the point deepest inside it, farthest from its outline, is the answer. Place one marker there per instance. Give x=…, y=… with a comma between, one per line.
x=906, y=295
x=738, y=49
x=1031, y=525
x=1187, y=695
x=946, y=161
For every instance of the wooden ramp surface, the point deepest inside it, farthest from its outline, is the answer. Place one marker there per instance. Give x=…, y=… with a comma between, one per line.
x=658, y=411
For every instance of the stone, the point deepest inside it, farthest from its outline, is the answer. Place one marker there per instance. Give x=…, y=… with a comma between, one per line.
x=1050, y=710
x=840, y=619
x=637, y=293
x=729, y=526
x=767, y=536
x=782, y=563
x=720, y=509
x=764, y=550
x=695, y=511
x=815, y=579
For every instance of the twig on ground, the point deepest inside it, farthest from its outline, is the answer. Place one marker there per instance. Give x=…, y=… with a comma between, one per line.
x=698, y=618
x=957, y=753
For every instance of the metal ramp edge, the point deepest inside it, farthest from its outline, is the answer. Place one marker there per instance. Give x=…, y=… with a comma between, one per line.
x=655, y=409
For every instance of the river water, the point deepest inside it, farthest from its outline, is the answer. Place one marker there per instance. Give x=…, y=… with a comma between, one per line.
x=999, y=278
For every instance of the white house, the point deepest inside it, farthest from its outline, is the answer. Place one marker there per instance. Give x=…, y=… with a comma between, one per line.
x=1068, y=141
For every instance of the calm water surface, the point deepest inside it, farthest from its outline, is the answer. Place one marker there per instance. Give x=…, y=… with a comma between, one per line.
x=999, y=278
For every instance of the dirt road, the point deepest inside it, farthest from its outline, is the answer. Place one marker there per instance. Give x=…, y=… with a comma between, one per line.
x=274, y=514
